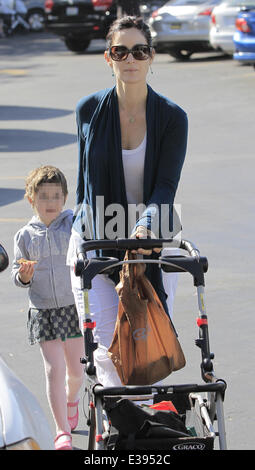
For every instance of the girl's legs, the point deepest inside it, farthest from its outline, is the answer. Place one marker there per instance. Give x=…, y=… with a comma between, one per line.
x=73, y=351
x=55, y=373
x=64, y=375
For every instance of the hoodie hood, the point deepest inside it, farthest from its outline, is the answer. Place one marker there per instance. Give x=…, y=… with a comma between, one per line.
x=36, y=223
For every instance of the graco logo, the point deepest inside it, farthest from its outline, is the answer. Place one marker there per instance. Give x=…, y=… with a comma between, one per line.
x=140, y=333
x=189, y=446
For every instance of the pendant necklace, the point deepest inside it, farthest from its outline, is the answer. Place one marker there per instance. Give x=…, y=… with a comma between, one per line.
x=132, y=119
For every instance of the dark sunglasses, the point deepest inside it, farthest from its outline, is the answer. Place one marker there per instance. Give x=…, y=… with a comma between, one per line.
x=139, y=52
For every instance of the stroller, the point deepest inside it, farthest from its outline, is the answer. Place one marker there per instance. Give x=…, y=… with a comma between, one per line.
x=115, y=421
x=13, y=13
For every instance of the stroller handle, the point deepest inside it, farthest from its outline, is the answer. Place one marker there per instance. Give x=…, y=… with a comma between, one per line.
x=194, y=263
x=120, y=244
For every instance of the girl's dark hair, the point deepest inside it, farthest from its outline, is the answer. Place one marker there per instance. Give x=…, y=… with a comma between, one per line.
x=127, y=22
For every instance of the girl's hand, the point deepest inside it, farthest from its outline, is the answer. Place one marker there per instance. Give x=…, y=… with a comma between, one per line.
x=143, y=232
x=26, y=272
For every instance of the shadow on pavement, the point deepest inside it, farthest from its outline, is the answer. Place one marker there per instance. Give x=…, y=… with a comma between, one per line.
x=22, y=140
x=31, y=44
x=36, y=44
x=26, y=113
x=209, y=56
x=8, y=196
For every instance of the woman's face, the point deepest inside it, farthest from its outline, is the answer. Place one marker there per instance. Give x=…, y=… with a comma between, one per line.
x=129, y=70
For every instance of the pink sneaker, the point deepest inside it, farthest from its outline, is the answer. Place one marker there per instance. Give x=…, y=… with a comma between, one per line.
x=73, y=421
x=63, y=444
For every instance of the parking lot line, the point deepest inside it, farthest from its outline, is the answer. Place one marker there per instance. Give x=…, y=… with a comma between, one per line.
x=13, y=72
x=12, y=178
x=12, y=219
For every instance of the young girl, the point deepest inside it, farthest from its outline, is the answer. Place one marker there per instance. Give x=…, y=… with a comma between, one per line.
x=40, y=249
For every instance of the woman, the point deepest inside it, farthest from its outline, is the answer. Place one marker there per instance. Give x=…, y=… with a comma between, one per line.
x=132, y=144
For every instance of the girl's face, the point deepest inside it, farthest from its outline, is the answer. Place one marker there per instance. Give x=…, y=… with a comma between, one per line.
x=129, y=70
x=48, y=202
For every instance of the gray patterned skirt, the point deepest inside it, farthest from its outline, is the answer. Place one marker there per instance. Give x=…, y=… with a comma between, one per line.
x=53, y=323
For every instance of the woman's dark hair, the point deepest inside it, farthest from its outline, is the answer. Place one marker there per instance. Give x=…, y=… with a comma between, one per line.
x=127, y=22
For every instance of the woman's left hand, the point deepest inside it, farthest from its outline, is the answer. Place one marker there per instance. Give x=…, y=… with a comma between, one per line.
x=143, y=232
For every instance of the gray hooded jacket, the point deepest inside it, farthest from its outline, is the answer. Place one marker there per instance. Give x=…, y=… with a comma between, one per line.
x=50, y=286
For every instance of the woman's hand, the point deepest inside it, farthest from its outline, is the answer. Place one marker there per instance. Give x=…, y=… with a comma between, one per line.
x=26, y=272
x=143, y=232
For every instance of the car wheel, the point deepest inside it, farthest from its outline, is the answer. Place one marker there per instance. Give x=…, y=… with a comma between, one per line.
x=36, y=19
x=76, y=43
x=180, y=54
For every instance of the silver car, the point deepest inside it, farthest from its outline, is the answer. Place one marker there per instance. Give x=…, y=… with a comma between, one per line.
x=181, y=27
x=222, y=26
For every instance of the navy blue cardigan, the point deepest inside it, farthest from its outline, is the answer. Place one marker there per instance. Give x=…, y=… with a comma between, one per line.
x=100, y=167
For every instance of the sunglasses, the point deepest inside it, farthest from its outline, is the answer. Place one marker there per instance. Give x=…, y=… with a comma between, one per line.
x=139, y=52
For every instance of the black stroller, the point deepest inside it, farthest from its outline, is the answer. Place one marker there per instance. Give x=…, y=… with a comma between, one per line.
x=200, y=418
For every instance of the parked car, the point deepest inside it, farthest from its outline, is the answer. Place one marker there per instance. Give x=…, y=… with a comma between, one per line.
x=222, y=27
x=181, y=27
x=23, y=425
x=77, y=22
x=35, y=14
x=147, y=7
x=244, y=37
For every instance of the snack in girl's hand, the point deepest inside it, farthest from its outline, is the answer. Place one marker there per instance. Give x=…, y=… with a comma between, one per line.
x=26, y=261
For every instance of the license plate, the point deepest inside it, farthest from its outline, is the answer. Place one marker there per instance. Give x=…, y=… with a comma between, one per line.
x=71, y=11
x=175, y=26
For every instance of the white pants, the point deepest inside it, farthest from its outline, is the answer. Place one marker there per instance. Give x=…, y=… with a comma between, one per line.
x=103, y=302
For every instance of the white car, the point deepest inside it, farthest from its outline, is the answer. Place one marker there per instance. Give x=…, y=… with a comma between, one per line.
x=222, y=26
x=23, y=425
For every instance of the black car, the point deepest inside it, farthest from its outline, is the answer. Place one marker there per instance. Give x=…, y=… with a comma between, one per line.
x=79, y=21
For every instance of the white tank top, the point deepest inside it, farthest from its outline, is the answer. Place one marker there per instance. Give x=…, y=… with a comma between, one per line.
x=133, y=164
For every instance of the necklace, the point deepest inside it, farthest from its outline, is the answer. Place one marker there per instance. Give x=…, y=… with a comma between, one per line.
x=131, y=117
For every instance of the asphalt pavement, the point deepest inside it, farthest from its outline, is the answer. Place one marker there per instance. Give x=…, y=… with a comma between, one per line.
x=40, y=84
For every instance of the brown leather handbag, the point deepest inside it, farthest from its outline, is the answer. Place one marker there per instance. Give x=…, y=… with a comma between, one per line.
x=144, y=347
